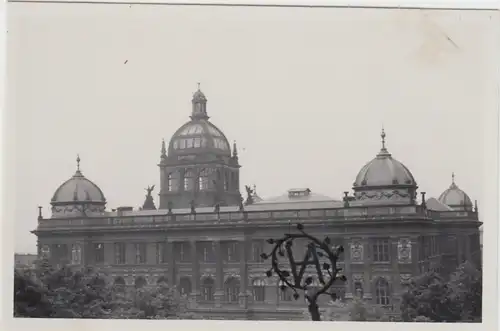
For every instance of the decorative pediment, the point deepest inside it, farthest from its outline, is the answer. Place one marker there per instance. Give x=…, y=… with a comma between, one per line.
x=356, y=251
x=404, y=250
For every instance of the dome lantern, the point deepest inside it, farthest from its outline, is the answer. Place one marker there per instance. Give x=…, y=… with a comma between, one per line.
x=199, y=102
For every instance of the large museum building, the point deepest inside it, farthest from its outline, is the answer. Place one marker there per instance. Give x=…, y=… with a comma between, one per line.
x=206, y=238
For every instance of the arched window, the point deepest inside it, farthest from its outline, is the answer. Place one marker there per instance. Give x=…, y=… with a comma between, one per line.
x=188, y=180
x=259, y=290
x=170, y=182
x=162, y=280
x=226, y=181
x=203, y=180
x=232, y=290
x=358, y=289
x=140, y=282
x=207, y=289
x=119, y=283
x=76, y=254
x=185, y=286
x=286, y=293
x=382, y=292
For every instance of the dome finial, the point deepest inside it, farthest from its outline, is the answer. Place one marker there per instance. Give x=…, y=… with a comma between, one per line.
x=383, y=151
x=198, y=86
x=382, y=135
x=453, y=178
x=77, y=162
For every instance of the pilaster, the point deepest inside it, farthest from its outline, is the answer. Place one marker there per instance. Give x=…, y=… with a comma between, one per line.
x=244, y=254
x=219, y=275
x=171, y=263
x=195, y=291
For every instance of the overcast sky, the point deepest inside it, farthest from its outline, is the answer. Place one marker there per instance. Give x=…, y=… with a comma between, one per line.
x=304, y=92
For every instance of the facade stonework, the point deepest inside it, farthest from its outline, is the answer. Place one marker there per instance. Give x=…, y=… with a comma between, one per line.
x=204, y=241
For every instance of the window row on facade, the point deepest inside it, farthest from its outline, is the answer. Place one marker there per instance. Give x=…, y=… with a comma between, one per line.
x=258, y=289
x=203, y=180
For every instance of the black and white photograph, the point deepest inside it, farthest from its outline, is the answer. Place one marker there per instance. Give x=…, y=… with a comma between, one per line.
x=217, y=162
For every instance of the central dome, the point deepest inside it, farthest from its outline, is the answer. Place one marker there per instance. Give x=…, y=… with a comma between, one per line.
x=199, y=133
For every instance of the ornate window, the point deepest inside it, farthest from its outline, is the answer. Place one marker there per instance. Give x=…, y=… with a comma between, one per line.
x=99, y=253
x=382, y=292
x=140, y=282
x=358, y=289
x=232, y=290
x=381, y=252
x=203, y=180
x=119, y=283
x=207, y=289
x=162, y=280
x=120, y=253
x=76, y=254
x=259, y=290
x=140, y=253
x=185, y=286
x=188, y=180
x=286, y=293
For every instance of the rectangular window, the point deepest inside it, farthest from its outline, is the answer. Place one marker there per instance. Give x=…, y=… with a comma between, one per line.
x=140, y=253
x=182, y=251
x=120, y=253
x=98, y=253
x=381, y=251
x=206, y=252
x=232, y=252
x=161, y=252
x=257, y=250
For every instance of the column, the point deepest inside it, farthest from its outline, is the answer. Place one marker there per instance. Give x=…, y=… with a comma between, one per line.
x=195, y=267
x=172, y=280
x=367, y=270
x=347, y=268
x=244, y=293
x=219, y=277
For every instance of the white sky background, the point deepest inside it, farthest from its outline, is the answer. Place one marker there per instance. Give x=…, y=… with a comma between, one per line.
x=304, y=92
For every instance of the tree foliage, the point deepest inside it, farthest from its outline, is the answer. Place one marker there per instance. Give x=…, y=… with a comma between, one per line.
x=456, y=299
x=356, y=309
x=70, y=292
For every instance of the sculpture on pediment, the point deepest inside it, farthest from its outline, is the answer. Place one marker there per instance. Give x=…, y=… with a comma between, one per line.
x=404, y=250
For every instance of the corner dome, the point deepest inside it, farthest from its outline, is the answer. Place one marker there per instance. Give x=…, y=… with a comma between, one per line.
x=385, y=178
x=199, y=135
x=455, y=198
x=77, y=194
